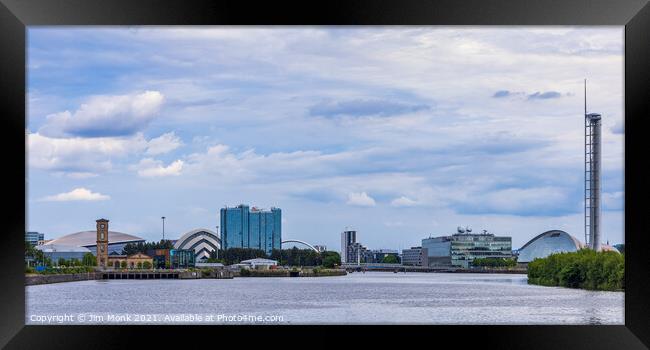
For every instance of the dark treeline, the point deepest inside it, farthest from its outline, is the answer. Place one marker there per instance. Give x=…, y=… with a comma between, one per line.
x=582, y=269
x=494, y=262
x=134, y=248
x=291, y=257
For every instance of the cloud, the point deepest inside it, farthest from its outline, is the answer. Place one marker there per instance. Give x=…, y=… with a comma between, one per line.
x=105, y=115
x=531, y=201
x=360, y=199
x=78, y=194
x=502, y=93
x=613, y=200
x=81, y=156
x=162, y=144
x=149, y=167
x=544, y=95
x=507, y=93
x=618, y=128
x=403, y=202
x=361, y=107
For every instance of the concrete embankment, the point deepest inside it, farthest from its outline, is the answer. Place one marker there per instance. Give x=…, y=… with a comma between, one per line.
x=34, y=279
x=290, y=273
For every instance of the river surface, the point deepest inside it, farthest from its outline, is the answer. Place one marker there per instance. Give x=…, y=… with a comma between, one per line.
x=358, y=298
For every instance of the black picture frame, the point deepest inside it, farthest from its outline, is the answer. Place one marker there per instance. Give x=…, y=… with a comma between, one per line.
x=15, y=15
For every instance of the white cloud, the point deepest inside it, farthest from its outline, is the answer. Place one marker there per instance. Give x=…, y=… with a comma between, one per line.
x=81, y=156
x=78, y=194
x=164, y=143
x=614, y=200
x=403, y=202
x=105, y=115
x=361, y=199
x=149, y=167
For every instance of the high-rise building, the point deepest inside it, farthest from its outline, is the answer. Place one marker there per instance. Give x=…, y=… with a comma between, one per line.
x=245, y=227
x=348, y=238
x=34, y=237
x=320, y=248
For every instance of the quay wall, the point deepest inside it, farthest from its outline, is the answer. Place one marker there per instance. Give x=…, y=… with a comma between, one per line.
x=34, y=279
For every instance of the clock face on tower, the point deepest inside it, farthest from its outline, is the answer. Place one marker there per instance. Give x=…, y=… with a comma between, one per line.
x=102, y=226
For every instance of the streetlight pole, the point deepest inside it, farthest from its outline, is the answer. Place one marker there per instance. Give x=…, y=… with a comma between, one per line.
x=163, y=221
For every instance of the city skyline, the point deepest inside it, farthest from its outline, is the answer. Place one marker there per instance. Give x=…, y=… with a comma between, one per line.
x=399, y=133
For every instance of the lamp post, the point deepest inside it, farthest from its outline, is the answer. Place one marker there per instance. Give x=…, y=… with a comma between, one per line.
x=163, y=222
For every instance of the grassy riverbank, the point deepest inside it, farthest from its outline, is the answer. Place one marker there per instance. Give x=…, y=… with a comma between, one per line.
x=583, y=269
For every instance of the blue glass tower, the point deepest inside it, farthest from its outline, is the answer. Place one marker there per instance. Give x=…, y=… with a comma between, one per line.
x=244, y=227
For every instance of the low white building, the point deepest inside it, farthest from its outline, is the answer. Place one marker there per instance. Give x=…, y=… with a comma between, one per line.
x=254, y=263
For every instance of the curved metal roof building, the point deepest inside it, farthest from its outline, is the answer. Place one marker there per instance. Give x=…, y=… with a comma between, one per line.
x=547, y=243
x=89, y=239
x=202, y=241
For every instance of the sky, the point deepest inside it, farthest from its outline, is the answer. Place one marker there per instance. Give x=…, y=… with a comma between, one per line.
x=400, y=133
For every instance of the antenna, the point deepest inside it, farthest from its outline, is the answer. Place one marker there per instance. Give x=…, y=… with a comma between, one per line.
x=585, y=97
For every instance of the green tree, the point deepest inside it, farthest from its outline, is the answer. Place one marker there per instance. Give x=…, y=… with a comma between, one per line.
x=123, y=264
x=37, y=256
x=89, y=260
x=390, y=259
x=139, y=265
x=331, y=259
x=582, y=269
x=146, y=265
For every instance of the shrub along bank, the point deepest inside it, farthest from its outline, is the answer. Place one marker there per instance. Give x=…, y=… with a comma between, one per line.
x=584, y=269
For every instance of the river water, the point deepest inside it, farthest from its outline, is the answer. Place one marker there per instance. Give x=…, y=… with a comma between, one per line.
x=358, y=298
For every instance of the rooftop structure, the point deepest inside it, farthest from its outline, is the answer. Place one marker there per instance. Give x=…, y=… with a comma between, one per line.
x=89, y=238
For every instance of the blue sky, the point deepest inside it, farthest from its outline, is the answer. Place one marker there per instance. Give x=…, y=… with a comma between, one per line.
x=397, y=132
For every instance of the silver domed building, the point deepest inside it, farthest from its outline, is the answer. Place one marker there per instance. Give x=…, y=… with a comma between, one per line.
x=88, y=239
x=551, y=242
x=547, y=243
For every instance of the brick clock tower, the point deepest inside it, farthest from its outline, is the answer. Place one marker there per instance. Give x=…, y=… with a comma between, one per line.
x=102, y=243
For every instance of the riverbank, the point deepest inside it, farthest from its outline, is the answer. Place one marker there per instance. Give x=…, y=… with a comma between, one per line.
x=35, y=279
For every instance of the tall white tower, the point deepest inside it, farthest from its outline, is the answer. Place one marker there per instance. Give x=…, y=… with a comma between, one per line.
x=592, y=178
